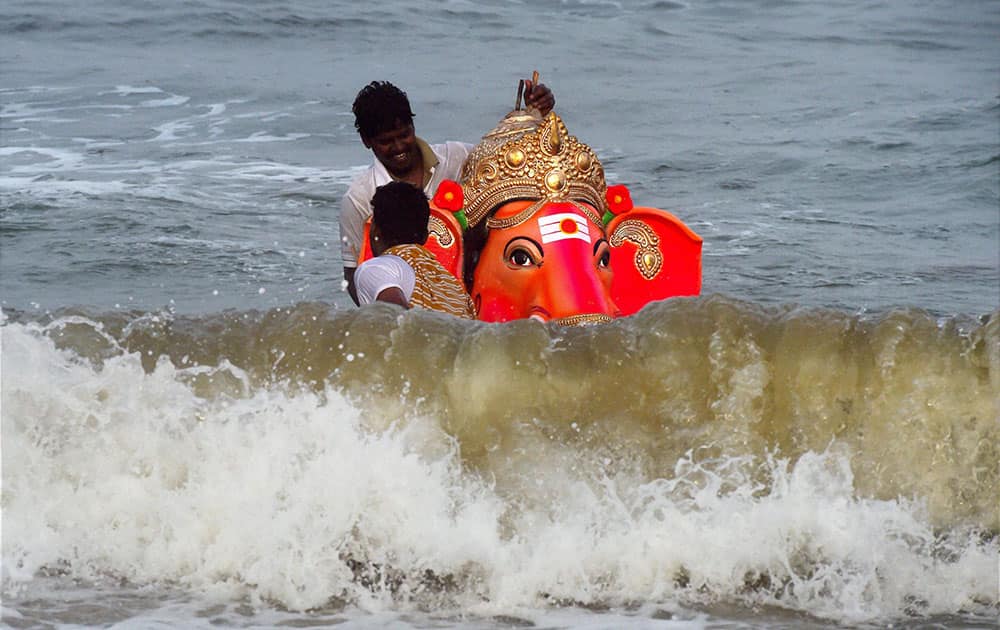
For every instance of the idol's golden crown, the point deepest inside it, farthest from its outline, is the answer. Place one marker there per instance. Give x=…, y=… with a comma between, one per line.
x=528, y=157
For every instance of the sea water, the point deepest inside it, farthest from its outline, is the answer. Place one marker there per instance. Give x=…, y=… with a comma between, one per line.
x=199, y=429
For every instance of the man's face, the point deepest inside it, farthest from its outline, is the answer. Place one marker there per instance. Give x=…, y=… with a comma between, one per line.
x=396, y=148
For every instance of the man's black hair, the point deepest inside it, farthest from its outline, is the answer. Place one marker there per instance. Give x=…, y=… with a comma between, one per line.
x=380, y=106
x=400, y=210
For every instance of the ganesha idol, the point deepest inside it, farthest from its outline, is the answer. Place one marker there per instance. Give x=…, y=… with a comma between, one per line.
x=534, y=231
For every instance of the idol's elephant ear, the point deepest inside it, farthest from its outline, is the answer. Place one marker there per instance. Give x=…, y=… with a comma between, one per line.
x=444, y=240
x=654, y=255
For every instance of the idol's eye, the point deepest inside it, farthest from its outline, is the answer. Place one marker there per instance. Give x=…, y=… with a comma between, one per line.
x=520, y=258
x=605, y=259
x=603, y=255
x=523, y=252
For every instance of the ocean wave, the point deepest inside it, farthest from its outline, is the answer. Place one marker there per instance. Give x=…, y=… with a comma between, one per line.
x=691, y=371
x=303, y=458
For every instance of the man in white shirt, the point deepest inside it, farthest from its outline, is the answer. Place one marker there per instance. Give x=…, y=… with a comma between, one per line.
x=384, y=120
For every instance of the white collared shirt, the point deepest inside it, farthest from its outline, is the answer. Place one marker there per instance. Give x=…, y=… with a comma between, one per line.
x=356, y=206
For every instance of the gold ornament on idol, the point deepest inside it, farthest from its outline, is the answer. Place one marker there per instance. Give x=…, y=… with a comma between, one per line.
x=528, y=157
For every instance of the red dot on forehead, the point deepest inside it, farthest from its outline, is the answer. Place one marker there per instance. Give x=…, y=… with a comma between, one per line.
x=568, y=226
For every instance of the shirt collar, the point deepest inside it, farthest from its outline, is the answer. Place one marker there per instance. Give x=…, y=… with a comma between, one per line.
x=430, y=160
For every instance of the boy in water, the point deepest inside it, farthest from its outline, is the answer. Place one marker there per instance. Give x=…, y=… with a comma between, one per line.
x=403, y=271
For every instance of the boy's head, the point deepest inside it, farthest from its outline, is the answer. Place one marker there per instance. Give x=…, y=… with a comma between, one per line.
x=399, y=216
x=380, y=106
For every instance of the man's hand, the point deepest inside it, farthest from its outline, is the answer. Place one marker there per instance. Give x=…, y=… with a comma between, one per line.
x=539, y=96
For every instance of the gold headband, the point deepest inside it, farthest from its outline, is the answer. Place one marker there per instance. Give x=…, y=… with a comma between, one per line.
x=508, y=222
x=531, y=158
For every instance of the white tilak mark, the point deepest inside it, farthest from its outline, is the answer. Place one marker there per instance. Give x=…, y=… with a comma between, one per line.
x=557, y=227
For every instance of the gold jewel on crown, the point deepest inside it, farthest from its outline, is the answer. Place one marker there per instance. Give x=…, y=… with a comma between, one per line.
x=528, y=157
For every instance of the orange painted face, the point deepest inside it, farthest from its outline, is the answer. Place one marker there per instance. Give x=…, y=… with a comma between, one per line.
x=552, y=266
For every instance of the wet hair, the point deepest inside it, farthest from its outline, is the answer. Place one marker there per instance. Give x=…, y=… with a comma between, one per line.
x=400, y=210
x=380, y=106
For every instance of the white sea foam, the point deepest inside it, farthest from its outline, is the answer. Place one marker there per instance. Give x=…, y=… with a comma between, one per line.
x=127, y=90
x=171, y=130
x=287, y=173
x=170, y=101
x=192, y=476
x=49, y=187
x=261, y=136
x=214, y=109
x=26, y=112
x=34, y=89
x=40, y=160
